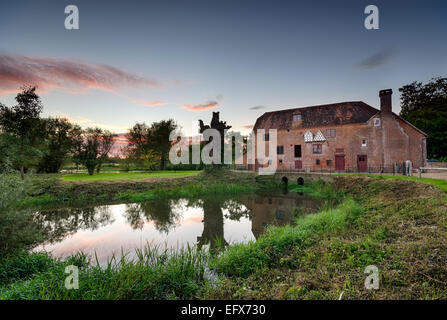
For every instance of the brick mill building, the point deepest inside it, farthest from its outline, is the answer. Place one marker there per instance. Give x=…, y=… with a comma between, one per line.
x=350, y=136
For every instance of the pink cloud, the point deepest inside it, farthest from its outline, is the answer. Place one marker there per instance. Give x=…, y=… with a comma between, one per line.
x=68, y=75
x=200, y=107
x=147, y=103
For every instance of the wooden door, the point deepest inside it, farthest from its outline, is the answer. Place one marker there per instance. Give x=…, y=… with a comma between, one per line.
x=362, y=163
x=339, y=162
x=298, y=164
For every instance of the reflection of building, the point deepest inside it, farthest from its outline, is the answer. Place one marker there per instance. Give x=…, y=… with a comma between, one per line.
x=276, y=210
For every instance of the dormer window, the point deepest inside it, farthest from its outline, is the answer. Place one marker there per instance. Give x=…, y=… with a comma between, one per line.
x=308, y=136
x=319, y=137
x=296, y=117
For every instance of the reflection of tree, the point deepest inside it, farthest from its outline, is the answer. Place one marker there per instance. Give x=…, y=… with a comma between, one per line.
x=56, y=223
x=213, y=225
x=236, y=210
x=160, y=212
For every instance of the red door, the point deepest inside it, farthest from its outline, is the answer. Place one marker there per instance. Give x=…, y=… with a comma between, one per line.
x=339, y=162
x=362, y=163
x=298, y=164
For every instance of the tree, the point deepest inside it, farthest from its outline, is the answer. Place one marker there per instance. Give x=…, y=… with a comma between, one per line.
x=146, y=144
x=138, y=146
x=425, y=106
x=220, y=126
x=106, y=144
x=60, y=137
x=159, y=139
x=23, y=123
x=92, y=147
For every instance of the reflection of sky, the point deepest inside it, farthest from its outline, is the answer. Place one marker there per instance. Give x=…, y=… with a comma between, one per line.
x=119, y=235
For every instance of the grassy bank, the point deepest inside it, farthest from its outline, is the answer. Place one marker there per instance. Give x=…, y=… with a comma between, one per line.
x=45, y=190
x=118, y=176
x=442, y=184
x=397, y=225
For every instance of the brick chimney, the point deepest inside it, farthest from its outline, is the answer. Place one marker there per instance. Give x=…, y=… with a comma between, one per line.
x=385, y=100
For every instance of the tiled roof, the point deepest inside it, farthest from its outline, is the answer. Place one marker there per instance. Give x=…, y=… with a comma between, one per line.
x=316, y=116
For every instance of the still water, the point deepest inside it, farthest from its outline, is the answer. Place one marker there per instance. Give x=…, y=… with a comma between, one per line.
x=109, y=230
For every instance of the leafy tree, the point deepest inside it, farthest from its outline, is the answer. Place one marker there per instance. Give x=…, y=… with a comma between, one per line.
x=76, y=145
x=107, y=142
x=60, y=136
x=138, y=146
x=4, y=161
x=23, y=123
x=159, y=139
x=92, y=147
x=425, y=106
x=148, y=144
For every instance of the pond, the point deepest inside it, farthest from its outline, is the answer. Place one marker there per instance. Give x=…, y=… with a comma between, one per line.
x=108, y=230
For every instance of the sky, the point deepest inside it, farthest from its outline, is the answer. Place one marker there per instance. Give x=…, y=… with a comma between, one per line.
x=145, y=61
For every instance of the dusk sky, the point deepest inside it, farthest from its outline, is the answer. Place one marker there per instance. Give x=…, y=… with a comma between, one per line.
x=147, y=61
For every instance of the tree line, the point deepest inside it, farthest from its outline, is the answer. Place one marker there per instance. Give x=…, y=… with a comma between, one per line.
x=31, y=142
x=425, y=106
x=28, y=141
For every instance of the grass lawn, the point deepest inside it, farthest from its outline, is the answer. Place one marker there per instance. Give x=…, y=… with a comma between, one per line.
x=105, y=176
x=442, y=184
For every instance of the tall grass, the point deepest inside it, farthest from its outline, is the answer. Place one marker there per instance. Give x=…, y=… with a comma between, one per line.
x=153, y=275
x=318, y=189
x=244, y=259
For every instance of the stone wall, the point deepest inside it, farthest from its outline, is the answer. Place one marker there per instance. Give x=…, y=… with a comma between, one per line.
x=436, y=165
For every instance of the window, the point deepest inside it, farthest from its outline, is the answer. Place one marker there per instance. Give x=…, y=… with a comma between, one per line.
x=339, y=150
x=296, y=117
x=364, y=143
x=280, y=161
x=298, y=151
x=308, y=136
x=376, y=122
x=280, y=149
x=317, y=162
x=328, y=163
x=319, y=137
x=330, y=133
x=317, y=148
x=266, y=137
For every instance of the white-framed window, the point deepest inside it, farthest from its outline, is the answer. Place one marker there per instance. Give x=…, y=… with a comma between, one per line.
x=376, y=122
x=308, y=136
x=297, y=117
x=319, y=136
x=364, y=142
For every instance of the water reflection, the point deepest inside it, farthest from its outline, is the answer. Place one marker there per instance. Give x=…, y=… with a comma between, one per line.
x=212, y=222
